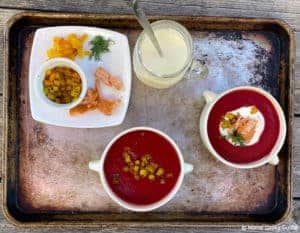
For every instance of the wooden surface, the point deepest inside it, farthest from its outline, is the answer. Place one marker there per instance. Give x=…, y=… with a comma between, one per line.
x=288, y=10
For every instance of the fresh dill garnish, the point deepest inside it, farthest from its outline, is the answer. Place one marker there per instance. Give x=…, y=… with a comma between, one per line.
x=237, y=138
x=99, y=47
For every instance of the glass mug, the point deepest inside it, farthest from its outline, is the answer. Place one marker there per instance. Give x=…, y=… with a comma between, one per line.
x=177, y=47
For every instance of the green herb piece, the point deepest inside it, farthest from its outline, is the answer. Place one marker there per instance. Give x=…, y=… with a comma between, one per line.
x=99, y=47
x=237, y=138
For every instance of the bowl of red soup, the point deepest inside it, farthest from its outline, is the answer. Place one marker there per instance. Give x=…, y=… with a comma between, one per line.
x=141, y=169
x=243, y=127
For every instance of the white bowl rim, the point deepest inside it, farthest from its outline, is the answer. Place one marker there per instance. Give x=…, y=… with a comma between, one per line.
x=277, y=146
x=53, y=62
x=136, y=207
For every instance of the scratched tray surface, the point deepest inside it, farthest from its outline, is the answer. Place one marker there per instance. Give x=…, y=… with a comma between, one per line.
x=53, y=174
x=54, y=171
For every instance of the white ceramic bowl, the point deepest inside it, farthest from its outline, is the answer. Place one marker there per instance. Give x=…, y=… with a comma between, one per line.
x=272, y=158
x=49, y=64
x=98, y=166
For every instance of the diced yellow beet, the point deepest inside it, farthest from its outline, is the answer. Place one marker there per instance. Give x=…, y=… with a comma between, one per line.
x=51, y=53
x=83, y=37
x=48, y=72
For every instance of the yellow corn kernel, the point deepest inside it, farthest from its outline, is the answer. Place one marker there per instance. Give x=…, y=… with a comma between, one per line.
x=51, y=96
x=151, y=177
x=48, y=72
x=160, y=171
x=136, y=168
x=137, y=162
x=225, y=124
x=143, y=164
x=56, y=82
x=126, y=157
x=143, y=173
x=253, y=110
x=126, y=169
x=150, y=169
x=47, y=82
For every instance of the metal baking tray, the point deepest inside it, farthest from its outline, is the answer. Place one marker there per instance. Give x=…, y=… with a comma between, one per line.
x=45, y=173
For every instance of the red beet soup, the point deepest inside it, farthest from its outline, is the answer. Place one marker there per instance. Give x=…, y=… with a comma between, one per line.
x=268, y=138
x=141, y=167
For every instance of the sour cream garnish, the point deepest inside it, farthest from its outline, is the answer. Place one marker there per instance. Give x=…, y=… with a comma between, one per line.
x=242, y=126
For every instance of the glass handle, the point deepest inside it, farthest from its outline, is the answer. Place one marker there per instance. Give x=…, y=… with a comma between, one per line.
x=198, y=69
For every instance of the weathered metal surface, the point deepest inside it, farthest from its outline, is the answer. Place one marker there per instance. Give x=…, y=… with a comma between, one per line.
x=52, y=172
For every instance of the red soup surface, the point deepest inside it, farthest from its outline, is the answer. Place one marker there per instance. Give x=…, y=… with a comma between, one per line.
x=134, y=182
x=268, y=138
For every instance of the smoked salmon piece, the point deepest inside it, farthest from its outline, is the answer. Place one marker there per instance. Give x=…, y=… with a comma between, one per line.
x=79, y=109
x=108, y=79
x=246, y=128
x=106, y=106
x=91, y=98
x=89, y=103
x=94, y=100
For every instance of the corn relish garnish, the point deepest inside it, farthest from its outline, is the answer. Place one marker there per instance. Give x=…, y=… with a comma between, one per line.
x=145, y=168
x=62, y=85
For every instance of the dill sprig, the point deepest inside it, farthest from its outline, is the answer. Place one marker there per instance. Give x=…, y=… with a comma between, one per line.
x=99, y=47
x=235, y=137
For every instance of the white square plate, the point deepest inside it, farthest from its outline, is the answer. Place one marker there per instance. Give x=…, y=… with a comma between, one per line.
x=117, y=62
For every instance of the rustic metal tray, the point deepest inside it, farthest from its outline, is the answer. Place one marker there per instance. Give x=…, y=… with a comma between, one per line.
x=45, y=168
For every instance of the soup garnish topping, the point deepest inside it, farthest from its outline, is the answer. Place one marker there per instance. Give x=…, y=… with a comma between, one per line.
x=242, y=126
x=62, y=85
x=144, y=168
